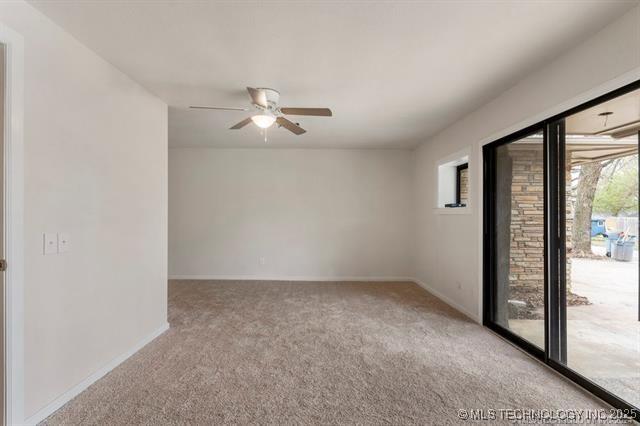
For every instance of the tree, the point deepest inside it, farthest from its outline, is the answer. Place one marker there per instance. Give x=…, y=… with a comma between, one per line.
x=617, y=191
x=587, y=184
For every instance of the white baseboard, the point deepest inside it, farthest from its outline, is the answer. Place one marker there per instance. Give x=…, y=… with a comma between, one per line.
x=74, y=391
x=428, y=288
x=71, y=393
x=305, y=278
x=284, y=278
x=455, y=305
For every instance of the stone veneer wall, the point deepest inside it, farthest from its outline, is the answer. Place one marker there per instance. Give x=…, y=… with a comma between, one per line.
x=464, y=186
x=570, y=209
x=526, y=263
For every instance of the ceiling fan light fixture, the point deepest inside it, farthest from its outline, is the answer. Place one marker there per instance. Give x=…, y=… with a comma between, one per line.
x=264, y=102
x=263, y=121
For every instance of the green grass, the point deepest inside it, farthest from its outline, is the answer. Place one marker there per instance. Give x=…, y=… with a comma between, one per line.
x=598, y=241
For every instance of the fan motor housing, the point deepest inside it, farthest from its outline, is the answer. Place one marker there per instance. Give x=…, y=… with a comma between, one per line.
x=272, y=95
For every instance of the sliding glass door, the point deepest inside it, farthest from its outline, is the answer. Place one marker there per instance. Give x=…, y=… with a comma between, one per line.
x=601, y=246
x=561, y=244
x=518, y=238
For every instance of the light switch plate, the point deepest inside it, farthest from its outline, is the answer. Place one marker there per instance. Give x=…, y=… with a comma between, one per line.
x=50, y=243
x=64, y=242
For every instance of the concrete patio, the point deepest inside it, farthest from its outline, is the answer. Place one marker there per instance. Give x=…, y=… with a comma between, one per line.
x=603, y=337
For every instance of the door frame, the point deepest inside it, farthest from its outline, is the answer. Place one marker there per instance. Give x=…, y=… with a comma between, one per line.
x=489, y=238
x=13, y=182
x=554, y=283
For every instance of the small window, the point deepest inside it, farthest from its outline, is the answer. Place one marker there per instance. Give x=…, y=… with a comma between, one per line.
x=453, y=182
x=462, y=185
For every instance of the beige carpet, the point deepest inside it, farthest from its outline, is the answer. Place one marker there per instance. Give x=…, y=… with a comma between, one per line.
x=316, y=353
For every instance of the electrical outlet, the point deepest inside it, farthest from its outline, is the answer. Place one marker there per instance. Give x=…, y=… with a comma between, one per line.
x=263, y=260
x=49, y=243
x=64, y=242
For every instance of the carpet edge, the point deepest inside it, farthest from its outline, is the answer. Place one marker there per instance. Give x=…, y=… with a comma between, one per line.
x=455, y=305
x=67, y=396
x=287, y=278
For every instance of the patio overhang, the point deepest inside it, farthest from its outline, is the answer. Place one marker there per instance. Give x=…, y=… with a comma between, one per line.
x=589, y=148
x=583, y=152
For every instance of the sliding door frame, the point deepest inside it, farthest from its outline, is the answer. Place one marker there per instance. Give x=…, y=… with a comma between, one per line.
x=490, y=237
x=555, y=242
x=555, y=321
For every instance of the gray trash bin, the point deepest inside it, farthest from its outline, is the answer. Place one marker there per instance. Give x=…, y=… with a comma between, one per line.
x=612, y=237
x=623, y=250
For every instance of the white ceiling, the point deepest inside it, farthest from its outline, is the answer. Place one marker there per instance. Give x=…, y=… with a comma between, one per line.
x=393, y=73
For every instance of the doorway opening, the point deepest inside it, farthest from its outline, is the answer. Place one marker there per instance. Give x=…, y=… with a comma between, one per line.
x=12, y=228
x=3, y=263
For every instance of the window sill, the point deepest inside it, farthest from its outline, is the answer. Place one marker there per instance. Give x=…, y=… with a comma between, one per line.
x=452, y=210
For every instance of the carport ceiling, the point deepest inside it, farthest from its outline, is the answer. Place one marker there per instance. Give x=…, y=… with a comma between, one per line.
x=619, y=117
x=394, y=73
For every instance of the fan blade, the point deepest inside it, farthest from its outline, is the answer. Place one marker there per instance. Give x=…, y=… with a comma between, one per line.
x=290, y=126
x=241, y=124
x=257, y=96
x=320, y=112
x=219, y=108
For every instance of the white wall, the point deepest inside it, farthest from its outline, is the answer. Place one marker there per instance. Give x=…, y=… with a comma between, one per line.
x=309, y=213
x=95, y=167
x=449, y=261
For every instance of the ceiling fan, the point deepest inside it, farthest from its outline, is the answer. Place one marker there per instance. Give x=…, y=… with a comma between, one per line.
x=264, y=102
